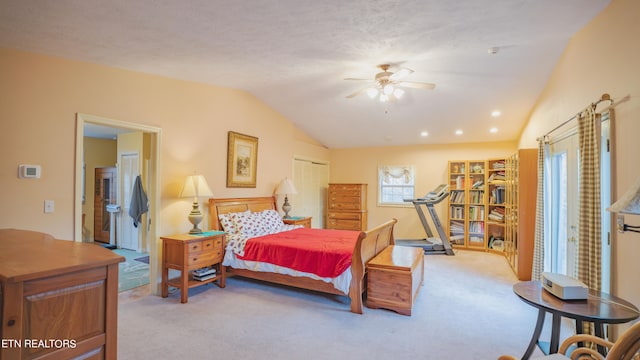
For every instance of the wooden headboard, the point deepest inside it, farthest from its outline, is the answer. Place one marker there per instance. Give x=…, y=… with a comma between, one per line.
x=229, y=205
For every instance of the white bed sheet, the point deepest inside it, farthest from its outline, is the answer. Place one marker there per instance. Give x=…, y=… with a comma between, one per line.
x=342, y=282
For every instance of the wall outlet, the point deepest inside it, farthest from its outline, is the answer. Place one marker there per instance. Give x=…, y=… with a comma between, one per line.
x=620, y=221
x=49, y=206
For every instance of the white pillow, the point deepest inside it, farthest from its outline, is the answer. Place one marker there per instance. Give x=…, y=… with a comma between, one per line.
x=272, y=220
x=252, y=225
x=228, y=221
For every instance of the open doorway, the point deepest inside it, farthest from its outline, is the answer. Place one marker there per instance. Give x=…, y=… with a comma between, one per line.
x=148, y=242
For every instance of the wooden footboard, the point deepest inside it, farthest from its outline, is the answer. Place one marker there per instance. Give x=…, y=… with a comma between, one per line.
x=369, y=244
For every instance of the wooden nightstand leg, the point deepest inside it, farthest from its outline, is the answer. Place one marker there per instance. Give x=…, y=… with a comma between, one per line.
x=184, y=291
x=165, y=279
x=223, y=276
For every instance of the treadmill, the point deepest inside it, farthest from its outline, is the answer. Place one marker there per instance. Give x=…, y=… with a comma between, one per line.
x=431, y=244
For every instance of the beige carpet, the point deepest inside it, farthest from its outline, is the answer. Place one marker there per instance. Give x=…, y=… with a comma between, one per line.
x=465, y=310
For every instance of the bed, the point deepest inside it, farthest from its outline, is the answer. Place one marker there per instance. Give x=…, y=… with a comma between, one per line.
x=366, y=245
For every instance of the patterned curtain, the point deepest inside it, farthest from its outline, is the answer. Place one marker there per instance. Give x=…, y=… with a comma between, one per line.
x=538, y=242
x=589, y=230
x=589, y=264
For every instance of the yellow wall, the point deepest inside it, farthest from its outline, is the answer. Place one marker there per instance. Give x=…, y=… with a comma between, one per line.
x=359, y=165
x=41, y=96
x=603, y=58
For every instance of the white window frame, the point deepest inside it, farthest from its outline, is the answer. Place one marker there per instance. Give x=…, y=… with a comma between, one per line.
x=396, y=177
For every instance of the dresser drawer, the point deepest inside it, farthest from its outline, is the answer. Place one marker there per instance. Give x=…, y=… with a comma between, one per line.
x=344, y=216
x=345, y=206
x=347, y=187
x=344, y=224
x=342, y=193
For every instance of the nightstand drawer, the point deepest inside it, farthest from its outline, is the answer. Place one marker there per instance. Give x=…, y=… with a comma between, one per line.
x=204, y=258
x=194, y=247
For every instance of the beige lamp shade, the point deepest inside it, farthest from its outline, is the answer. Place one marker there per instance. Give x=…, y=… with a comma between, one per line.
x=286, y=187
x=629, y=202
x=195, y=186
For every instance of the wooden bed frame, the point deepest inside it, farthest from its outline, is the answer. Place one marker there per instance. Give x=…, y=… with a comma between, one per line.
x=369, y=244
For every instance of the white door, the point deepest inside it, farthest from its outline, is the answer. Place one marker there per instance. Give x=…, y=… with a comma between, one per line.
x=129, y=169
x=311, y=179
x=564, y=205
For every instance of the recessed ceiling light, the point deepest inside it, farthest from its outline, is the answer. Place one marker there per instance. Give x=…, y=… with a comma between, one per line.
x=495, y=113
x=493, y=130
x=424, y=134
x=458, y=132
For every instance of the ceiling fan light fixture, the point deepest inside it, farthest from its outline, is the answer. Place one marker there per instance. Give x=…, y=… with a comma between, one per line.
x=398, y=93
x=388, y=89
x=384, y=98
x=372, y=92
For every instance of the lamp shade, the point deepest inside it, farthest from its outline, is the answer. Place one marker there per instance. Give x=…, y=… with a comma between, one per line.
x=195, y=186
x=629, y=203
x=286, y=187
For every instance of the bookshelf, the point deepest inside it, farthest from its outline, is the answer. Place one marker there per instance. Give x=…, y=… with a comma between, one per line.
x=467, y=203
x=520, y=210
x=496, y=206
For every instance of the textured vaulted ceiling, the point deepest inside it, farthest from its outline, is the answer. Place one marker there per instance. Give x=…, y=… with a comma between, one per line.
x=295, y=54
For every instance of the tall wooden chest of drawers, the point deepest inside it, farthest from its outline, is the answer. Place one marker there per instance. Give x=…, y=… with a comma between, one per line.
x=347, y=207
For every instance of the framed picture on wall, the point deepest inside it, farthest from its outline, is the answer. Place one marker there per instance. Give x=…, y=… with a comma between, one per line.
x=242, y=160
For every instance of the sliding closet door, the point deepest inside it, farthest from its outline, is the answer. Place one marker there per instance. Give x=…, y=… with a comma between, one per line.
x=311, y=179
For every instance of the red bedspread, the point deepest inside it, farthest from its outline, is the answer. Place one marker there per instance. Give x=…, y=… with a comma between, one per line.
x=324, y=252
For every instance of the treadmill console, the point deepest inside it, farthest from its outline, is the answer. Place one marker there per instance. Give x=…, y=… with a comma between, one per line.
x=437, y=193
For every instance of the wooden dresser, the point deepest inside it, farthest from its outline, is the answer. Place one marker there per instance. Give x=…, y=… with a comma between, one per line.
x=347, y=207
x=59, y=299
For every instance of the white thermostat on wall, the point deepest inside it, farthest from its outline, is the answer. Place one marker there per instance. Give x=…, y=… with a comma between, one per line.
x=29, y=171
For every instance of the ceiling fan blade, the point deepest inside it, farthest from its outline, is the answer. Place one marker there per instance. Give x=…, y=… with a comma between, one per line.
x=417, y=85
x=352, y=95
x=400, y=74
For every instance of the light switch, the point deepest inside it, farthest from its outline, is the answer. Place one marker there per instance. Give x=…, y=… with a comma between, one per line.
x=620, y=219
x=49, y=206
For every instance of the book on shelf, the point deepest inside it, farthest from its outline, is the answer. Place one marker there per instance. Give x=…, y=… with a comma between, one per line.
x=204, y=277
x=496, y=214
x=204, y=273
x=497, y=177
x=456, y=239
x=476, y=239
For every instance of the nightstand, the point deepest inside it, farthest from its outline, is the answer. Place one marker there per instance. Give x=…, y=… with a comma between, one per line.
x=185, y=253
x=299, y=220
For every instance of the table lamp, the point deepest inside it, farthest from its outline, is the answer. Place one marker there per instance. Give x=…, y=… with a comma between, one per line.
x=629, y=203
x=286, y=188
x=195, y=186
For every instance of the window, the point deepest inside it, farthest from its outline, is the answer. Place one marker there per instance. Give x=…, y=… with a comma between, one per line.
x=395, y=184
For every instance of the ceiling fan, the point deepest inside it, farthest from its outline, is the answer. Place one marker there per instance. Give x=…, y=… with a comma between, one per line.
x=387, y=85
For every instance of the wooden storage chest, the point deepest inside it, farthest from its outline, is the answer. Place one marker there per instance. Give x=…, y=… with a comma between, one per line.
x=394, y=278
x=347, y=207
